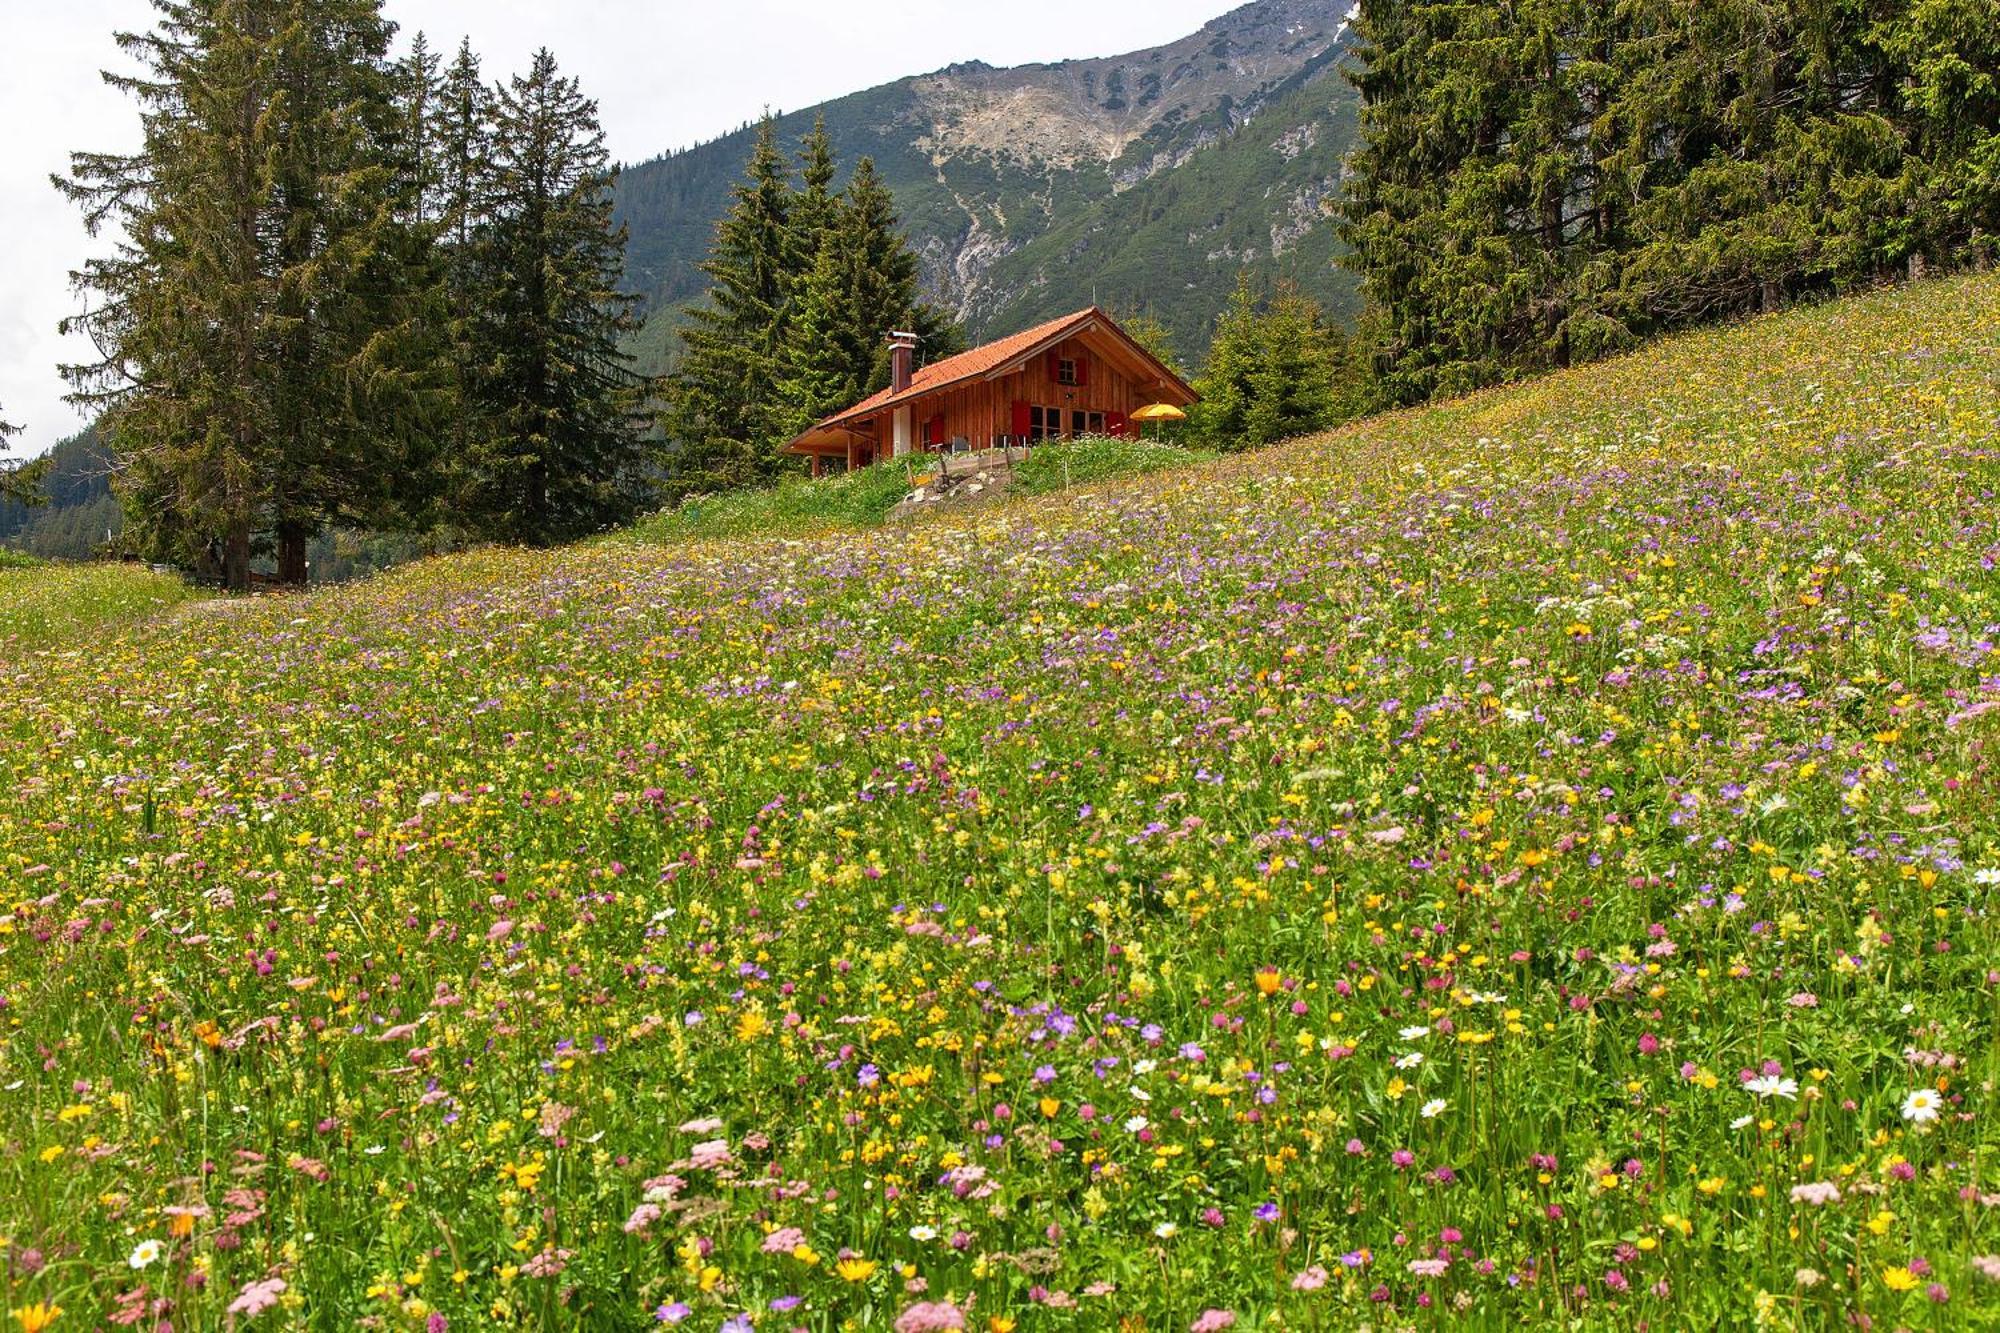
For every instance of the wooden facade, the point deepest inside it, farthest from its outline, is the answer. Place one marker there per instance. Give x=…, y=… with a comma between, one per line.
x=1080, y=375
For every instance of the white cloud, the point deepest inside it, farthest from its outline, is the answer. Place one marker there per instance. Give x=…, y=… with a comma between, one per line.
x=665, y=75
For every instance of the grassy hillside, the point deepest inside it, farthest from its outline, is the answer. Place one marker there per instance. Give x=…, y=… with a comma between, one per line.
x=76, y=608
x=1524, y=863
x=801, y=507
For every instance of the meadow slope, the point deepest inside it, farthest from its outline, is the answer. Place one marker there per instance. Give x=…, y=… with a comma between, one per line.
x=1529, y=861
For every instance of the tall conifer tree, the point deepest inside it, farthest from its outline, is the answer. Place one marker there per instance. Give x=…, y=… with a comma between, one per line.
x=261, y=369
x=815, y=208
x=562, y=453
x=459, y=144
x=862, y=285
x=723, y=405
x=886, y=293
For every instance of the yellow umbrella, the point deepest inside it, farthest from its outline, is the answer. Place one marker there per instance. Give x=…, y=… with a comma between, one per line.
x=1159, y=412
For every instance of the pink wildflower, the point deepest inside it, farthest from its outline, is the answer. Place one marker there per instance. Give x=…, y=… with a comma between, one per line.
x=784, y=1240
x=258, y=1297
x=930, y=1317
x=708, y=1155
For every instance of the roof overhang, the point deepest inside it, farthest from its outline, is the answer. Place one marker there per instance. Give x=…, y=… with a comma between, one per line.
x=825, y=440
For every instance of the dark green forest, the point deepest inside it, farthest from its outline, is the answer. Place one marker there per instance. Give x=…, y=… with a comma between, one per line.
x=1542, y=182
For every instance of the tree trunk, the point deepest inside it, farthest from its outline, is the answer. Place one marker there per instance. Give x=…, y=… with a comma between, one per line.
x=1770, y=297
x=292, y=555
x=236, y=559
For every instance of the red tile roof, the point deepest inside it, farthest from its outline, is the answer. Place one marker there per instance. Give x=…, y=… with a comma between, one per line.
x=967, y=365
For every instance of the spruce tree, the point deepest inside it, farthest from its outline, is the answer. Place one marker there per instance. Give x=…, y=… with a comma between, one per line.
x=563, y=454
x=459, y=144
x=1222, y=412
x=886, y=292
x=356, y=391
x=1547, y=180
x=723, y=410
x=805, y=286
x=419, y=86
x=862, y=285
x=1294, y=386
x=261, y=368
x=815, y=209
x=1948, y=52
x=825, y=367
x=1274, y=371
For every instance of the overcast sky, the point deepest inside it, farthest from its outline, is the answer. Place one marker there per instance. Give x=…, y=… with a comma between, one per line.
x=665, y=73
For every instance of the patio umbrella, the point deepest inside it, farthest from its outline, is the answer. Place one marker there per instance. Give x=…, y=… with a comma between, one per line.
x=1159, y=412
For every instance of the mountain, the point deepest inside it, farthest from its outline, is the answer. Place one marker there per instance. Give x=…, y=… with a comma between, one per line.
x=1141, y=181
x=82, y=520
x=81, y=513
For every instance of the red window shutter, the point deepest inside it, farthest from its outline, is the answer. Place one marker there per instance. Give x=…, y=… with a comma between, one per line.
x=1114, y=424
x=1021, y=418
x=934, y=431
x=1055, y=368
x=1082, y=371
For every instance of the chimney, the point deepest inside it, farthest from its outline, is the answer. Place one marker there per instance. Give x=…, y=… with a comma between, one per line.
x=902, y=360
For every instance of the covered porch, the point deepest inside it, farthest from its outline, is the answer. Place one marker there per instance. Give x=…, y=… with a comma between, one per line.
x=836, y=449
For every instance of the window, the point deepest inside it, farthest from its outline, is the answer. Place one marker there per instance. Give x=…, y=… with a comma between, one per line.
x=1096, y=423
x=1066, y=370
x=1045, y=423
x=1079, y=422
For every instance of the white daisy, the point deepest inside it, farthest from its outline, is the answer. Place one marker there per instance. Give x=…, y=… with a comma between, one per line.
x=145, y=1254
x=1433, y=1108
x=1771, y=1085
x=1921, y=1107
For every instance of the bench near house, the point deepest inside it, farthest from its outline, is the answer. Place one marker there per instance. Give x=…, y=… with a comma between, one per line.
x=1078, y=375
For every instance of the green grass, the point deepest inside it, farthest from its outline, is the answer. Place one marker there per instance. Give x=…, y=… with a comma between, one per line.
x=1085, y=462
x=1529, y=863
x=77, y=606
x=802, y=507
x=796, y=507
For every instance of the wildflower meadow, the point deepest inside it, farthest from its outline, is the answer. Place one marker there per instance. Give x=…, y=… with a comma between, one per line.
x=1529, y=862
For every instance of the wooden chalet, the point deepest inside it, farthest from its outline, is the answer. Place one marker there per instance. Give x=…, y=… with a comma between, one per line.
x=1078, y=375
